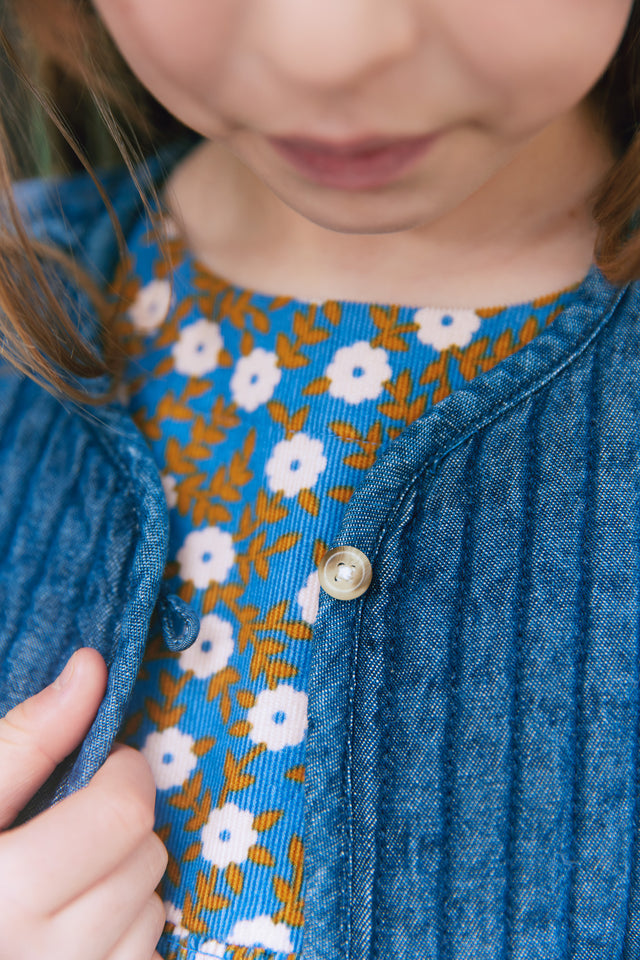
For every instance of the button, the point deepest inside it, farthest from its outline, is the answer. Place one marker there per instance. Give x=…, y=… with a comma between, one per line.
x=345, y=573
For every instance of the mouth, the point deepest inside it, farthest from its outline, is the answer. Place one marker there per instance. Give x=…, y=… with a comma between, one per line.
x=365, y=164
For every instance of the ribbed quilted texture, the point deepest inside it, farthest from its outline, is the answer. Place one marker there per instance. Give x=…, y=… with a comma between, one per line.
x=479, y=764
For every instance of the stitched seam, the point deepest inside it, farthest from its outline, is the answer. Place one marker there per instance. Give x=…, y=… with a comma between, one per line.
x=347, y=840
x=632, y=884
x=583, y=594
x=524, y=594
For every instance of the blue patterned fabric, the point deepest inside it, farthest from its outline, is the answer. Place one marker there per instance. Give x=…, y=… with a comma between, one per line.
x=264, y=414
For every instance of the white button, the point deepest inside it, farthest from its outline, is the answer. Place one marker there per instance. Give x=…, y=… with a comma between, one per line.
x=345, y=573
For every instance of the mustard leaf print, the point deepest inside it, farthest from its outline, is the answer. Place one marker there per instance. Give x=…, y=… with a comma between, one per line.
x=341, y=494
x=177, y=463
x=235, y=306
x=332, y=310
x=437, y=372
x=369, y=445
x=472, y=359
x=192, y=852
x=267, y=820
x=164, y=712
x=264, y=661
x=219, y=688
x=390, y=329
x=310, y=502
x=261, y=856
x=289, y=351
x=206, y=900
x=131, y=726
x=289, y=356
x=320, y=547
x=275, y=620
x=296, y=774
x=277, y=303
x=401, y=407
x=292, y=422
x=240, y=728
x=235, y=878
x=317, y=387
x=289, y=893
x=236, y=778
x=202, y=746
x=247, y=343
x=173, y=867
x=245, y=698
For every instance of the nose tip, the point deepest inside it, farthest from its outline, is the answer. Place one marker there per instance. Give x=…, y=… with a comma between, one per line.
x=333, y=43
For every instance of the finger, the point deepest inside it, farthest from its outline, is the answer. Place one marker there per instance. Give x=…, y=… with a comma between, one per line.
x=40, y=732
x=140, y=940
x=64, y=851
x=99, y=919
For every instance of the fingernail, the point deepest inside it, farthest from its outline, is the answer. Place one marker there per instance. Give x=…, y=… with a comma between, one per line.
x=62, y=681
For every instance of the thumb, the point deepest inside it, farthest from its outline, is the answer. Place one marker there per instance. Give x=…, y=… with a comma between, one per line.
x=40, y=732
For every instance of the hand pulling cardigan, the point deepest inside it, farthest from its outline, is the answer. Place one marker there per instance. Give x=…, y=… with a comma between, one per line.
x=472, y=757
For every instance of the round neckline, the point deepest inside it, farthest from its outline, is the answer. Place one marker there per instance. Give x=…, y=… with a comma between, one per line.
x=187, y=256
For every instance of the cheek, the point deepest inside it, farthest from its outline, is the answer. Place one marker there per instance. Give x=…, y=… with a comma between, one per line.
x=175, y=48
x=534, y=58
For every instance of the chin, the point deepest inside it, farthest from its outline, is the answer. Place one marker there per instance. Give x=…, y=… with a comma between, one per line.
x=351, y=214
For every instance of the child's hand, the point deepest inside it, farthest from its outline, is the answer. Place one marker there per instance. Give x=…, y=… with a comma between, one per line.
x=77, y=882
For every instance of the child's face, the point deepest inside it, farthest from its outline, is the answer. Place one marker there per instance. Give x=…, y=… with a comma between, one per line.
x=486, y=76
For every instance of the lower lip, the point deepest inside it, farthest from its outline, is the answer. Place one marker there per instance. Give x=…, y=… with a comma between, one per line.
x=366, y=170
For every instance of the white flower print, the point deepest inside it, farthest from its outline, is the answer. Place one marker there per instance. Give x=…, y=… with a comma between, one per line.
x=174, y=916
x=263, y=932
x=170, y=756
x=278, y=717
x=170, y=488
x=309, y=597
x=206, y=555
x=442, y=329
x=196, y=351
x=295, y=464
x=254, y=379
x=212, y=649
x=211, y=948
x=227, y=835
x=151, y=306
x=358, y=372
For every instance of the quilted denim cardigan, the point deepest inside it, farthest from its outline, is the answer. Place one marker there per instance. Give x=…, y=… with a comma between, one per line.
x=472, y=759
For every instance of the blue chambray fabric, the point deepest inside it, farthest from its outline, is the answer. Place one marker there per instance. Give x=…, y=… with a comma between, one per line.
x=472, y=754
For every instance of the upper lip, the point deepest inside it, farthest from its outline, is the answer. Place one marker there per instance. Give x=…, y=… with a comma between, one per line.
x=365, y=144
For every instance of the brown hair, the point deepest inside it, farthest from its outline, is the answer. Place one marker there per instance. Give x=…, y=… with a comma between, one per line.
x=79, y=73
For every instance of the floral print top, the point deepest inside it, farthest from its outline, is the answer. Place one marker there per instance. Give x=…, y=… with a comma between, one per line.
x=264, y=413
